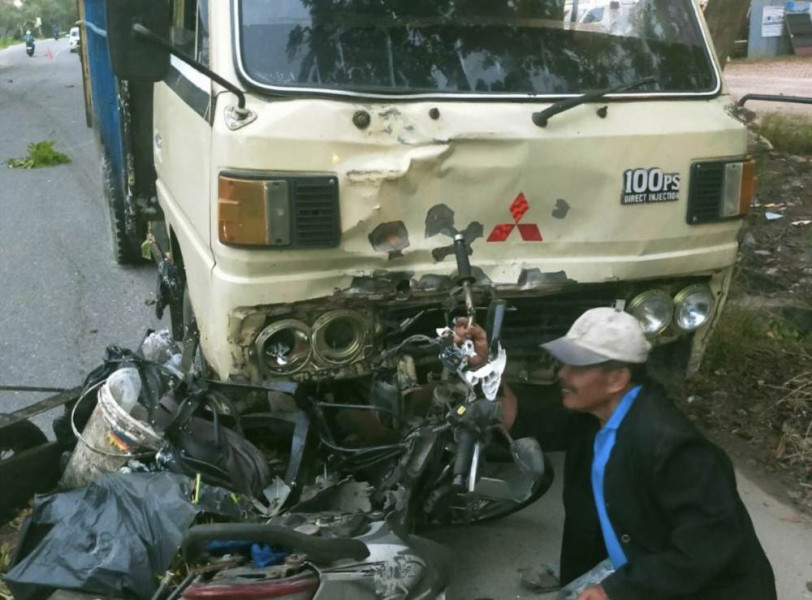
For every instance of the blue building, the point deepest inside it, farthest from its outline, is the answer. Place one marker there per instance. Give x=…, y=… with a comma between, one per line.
x=768, y=34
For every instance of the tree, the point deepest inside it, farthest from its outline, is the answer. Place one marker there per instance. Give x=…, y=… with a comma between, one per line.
x=725, y=19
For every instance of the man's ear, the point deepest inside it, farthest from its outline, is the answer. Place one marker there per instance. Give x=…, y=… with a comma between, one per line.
x=619, y=380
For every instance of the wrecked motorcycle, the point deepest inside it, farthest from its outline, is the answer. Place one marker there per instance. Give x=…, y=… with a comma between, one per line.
x=435, y=451
x=334, y=478
x=439, y=455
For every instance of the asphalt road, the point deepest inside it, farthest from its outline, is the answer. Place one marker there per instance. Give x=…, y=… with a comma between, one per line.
x=63, y=300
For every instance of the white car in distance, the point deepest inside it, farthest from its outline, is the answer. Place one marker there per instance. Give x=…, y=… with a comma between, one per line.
x=74, y=39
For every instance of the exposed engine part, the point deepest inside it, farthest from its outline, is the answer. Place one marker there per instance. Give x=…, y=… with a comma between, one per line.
x=326, y=523
x=277, y=494
x=170, y=287
x=347, y=495
x=407, y=373
x=385, y=395
x=396, y=578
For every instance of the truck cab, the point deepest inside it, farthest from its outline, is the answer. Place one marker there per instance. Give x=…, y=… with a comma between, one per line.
x=307, y=209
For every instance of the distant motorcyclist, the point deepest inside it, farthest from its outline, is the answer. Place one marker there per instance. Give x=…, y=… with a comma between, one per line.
x=29, y=43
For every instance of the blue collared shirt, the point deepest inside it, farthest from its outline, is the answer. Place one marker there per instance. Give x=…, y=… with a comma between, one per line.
x=604, y=442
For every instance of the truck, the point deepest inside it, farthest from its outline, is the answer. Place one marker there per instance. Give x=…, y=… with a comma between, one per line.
x=299, y=170
x=327, y=185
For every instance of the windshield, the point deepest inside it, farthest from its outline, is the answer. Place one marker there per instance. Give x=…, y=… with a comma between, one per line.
x=463, y=47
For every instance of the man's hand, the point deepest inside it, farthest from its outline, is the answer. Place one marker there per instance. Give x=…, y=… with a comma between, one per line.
x=593, y=593
x=476, y=334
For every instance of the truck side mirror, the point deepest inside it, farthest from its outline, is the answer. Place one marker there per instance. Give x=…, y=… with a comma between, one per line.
x=135, y=57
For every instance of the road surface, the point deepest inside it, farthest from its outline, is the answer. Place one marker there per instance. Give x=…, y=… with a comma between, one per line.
x=63, y=301
x=63, y=298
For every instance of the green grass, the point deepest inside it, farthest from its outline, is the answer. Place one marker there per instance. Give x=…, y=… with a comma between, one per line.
x=5, y=42
x=746, y=336
x=40, y=154
x=788, y=133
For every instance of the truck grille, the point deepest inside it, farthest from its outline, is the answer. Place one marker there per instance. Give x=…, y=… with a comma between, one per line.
x=316, y=215
x=534, y=321
x=705, y=196
x=528, y=321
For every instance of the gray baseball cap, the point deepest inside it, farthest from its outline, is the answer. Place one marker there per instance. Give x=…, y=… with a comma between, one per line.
x=600, y=335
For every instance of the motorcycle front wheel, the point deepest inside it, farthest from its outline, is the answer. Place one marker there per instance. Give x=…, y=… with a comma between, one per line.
x=483, y=510
x=451, y=508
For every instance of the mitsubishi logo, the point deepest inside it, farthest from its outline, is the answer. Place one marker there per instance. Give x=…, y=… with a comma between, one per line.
x=530, y=232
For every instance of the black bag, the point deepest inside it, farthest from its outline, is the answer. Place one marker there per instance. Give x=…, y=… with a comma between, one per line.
x=222, y=455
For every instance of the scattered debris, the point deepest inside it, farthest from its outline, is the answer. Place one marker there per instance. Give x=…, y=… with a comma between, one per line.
x=257, y=485
x=772, y=216
x=135, y=522
x=540, y=581
x=592, y=577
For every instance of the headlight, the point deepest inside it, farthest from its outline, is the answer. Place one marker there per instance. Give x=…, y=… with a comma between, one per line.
x=339, y=337
x=654, y=309
x=693, y=306
x=284, y=347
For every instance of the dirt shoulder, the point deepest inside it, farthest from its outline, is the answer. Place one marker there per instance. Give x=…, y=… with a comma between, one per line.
x=790, y=75
x=754, y=394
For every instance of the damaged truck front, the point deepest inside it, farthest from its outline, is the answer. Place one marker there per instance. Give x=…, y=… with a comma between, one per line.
x=303, y=188
x=315, y=179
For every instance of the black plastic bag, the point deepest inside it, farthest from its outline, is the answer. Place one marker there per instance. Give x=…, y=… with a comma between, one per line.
x=115, y=537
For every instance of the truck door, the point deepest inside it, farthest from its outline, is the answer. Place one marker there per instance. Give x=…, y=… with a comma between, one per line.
x=182, y=129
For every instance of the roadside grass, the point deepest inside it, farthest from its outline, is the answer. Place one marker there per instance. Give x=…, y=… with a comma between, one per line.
x=40, y=154
x=747, y=336
x=788, y=133
x=5, y=42
x=762, y=359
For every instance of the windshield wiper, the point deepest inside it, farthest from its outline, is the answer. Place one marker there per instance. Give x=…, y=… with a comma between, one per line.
x=542, y=117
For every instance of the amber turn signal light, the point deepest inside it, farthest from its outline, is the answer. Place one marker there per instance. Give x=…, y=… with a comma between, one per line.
x=253, y=212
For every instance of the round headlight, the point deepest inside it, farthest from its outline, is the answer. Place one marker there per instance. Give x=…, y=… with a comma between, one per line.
x=284, y=347
x=654, y=309
x=339, y=337
x=693, y=306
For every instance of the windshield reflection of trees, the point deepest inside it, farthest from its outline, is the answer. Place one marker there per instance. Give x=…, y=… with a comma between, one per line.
x=520, y=47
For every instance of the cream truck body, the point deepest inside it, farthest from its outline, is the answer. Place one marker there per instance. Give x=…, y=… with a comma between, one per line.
x=588, y=210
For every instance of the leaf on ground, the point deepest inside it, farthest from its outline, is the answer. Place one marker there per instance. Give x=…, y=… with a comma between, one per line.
x=40, y=154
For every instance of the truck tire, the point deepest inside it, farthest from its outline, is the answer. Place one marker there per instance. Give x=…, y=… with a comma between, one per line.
x=125, y=250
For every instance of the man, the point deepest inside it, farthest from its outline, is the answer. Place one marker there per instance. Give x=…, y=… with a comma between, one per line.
x=641, y=484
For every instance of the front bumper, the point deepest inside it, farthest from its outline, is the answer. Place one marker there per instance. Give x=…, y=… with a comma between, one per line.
x=534, y=317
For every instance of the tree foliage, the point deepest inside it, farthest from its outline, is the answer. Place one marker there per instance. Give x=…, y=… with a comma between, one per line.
x=14, y=20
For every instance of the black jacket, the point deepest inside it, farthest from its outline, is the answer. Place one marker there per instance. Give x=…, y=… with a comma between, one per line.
x=672, y=500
